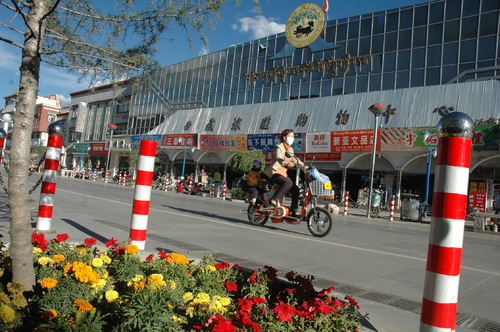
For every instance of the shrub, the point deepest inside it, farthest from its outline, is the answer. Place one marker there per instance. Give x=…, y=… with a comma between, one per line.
x=238, y=193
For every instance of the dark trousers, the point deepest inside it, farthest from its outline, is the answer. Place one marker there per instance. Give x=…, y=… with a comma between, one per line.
x=286, y=185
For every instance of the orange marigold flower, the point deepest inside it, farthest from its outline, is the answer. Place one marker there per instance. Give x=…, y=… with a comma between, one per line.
x=82, y=305
x=48, y=283
x=177, y=259
x=82, y=272
x=49, y=314
x=58, y=258
x=132, y=249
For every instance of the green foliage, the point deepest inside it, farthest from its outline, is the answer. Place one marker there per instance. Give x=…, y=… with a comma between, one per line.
x=238, y=193
x=242, y=161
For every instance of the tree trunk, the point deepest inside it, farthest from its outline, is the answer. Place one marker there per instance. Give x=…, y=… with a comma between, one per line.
x=21, y=249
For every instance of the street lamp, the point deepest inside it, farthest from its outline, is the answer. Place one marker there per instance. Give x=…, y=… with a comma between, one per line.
x=431, y=152
x=377, y=110
x=112, y=127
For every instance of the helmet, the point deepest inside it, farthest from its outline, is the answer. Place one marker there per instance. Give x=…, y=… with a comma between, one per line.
x=256, y=164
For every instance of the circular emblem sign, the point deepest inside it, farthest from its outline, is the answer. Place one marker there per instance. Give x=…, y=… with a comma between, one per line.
x=304, y=25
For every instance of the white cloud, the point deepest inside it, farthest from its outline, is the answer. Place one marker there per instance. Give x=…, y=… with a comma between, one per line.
x=203, y=51
x=259, y=26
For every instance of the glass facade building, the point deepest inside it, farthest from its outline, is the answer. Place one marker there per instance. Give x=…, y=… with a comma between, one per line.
x=433, y=43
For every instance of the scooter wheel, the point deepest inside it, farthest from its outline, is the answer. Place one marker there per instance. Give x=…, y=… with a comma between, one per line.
x=319, y=222
x=256, y=219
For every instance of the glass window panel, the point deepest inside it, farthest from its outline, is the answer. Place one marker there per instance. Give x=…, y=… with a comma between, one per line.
x=364, y=46
x=404, y=60
x=375, y=82
x=418, y=58
x=469, y=28
x=378, y=24
x=377, y=64
x=304, y=90
x=449, y=72
x=417, y=77
x=489, y=24
x=315, y=87
x=366, y=27
x=403, y=80
x=241, y=98
x=471, y=7
x=257, y=96
x=389, y=62
x=330, y=33
x=404, y=39
x=435, y=34
x=350, y=85
x=275, y=93
x=490, y=5
x=392, y=22
x=420, y=17
x=486, y=48
x=450, y=54
x=406, y=19
x=419, y=36
x=378, y=44
x=266, y=95
x=338, y=86
x=434, y=56
x=388, y=81
x=432, y=76
x=451, y=30
x=326, y=88
x=453, y=9
x=468, y=51
x=437, y=12
x=225, y=99
x=391, y=41
x=482, y=64
x=362, y=84
x=353, y=29
x=342, y=31
x=352, y=47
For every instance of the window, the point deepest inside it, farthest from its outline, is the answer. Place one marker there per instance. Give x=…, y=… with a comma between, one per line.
x=51, y=117
x=451, y=30
x=420, y=16
x=434, y=56
x=450, y=54
x=469, y=28
x=486, y=48
x=388, y=83
x=419, y=37
x=435, y=34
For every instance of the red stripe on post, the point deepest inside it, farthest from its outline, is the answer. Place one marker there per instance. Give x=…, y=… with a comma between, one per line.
x=54, y=141
x=449, y=205
x=144, y=178
x=440, y=315
x=51, y=164
x=443, y=260
x=45, y=211
x=148, y=148
x=141, y=207
x=138, y=234
x=454, y=151
x=48, y=188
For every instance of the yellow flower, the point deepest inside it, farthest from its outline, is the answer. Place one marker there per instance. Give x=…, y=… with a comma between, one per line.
x=58, y=258
x=211, y=268
x=7, y=314
x=190, y=311
x=171, y=284
x=132, y=249
x=82, y=272
x=97, y=262
x=177, y=259
x=44, y=260
x=37, y=251
x=81, y=251
x=48, y=283
x=187, y=297
x=178, y=320
x=82, y=305
x=4, y=298
x=100, y=284
x=106, y=259
x=111, y=295
x=49, y=314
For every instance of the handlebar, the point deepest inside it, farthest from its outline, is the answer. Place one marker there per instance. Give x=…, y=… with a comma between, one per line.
x=297, y=174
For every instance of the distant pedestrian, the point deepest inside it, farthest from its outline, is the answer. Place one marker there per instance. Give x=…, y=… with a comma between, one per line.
x=496, y=205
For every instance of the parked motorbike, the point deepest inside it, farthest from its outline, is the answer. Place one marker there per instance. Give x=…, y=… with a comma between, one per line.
x=375, y=203
x=319, y=220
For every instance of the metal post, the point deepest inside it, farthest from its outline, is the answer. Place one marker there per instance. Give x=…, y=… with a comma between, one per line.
x=112, y=127
x=377, y=110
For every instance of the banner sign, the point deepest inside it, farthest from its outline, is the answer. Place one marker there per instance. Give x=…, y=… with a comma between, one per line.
x=98, y=148
x=318, y=142
x=263, y=142
x=407, y=139
x=353, y=141
x=81, y=148
x=81, y=117
x=232, y=143
x=135, y=141
x=486, y=137
x=179, y=141
x=334, y=156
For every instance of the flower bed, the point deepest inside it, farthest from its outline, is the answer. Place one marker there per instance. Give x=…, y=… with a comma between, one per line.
x=82, y=288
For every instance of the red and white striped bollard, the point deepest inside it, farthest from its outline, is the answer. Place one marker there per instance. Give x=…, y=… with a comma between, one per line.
x=95, y=175
x=224, y=190
x=142, y=193
x=106, y=178
x=393, y=203
x=48, y=189
x=167, y=182
x=3, y=136
x=346, y=203
x=444, y=255
x=212, y=190
x=190, y=185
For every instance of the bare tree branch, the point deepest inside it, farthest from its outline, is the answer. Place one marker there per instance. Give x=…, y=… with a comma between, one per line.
x=11, y=42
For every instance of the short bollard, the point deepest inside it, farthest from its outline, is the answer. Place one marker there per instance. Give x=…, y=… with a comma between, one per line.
x=190, y=185
x=212, y=190
x=167, y=183
x=95, y=175
x=393, y=202
x=3, y=136
x=48, y=189
x=346, y=203
x=224, y=190
x=142, y=193
x=444, y=255
x=106, y=178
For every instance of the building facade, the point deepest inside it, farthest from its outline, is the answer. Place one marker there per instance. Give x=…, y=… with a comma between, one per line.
x=420, y=62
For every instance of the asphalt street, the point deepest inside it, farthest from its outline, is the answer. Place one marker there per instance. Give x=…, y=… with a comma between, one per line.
x=381, y=263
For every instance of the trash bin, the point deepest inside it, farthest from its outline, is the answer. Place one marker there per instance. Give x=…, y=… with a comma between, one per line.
x=410, y=207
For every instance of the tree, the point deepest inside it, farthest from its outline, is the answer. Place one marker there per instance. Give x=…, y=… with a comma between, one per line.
x=242, y=161
x=101, y=41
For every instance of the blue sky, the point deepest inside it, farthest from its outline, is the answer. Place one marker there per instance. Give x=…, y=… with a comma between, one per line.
x=240, y=24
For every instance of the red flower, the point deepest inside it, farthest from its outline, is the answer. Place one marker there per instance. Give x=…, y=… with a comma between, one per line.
x=150, y=258
x=42, y=246
x=352, y=301
x=325, y=291
x=222, y=265
x=271, y=272
x=111, y=242
x=258, y=300
x=245, y=304
x=120, y=251
x=285, y=312
x=163, y=254
x=225, y=327
x=253, y=277
x=37, y=238
x=290, y=275
x=62, y=237
x=231, y=286
x=89, y=241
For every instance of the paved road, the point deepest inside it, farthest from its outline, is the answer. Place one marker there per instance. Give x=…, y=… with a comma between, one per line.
x=381, y=263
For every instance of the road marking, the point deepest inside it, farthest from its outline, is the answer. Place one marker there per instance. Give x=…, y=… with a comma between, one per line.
x=263, y=230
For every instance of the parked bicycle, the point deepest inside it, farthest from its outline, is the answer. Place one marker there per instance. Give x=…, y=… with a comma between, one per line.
x=319, y=220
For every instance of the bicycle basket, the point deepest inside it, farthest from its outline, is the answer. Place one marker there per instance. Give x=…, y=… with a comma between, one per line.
x=319, y=188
